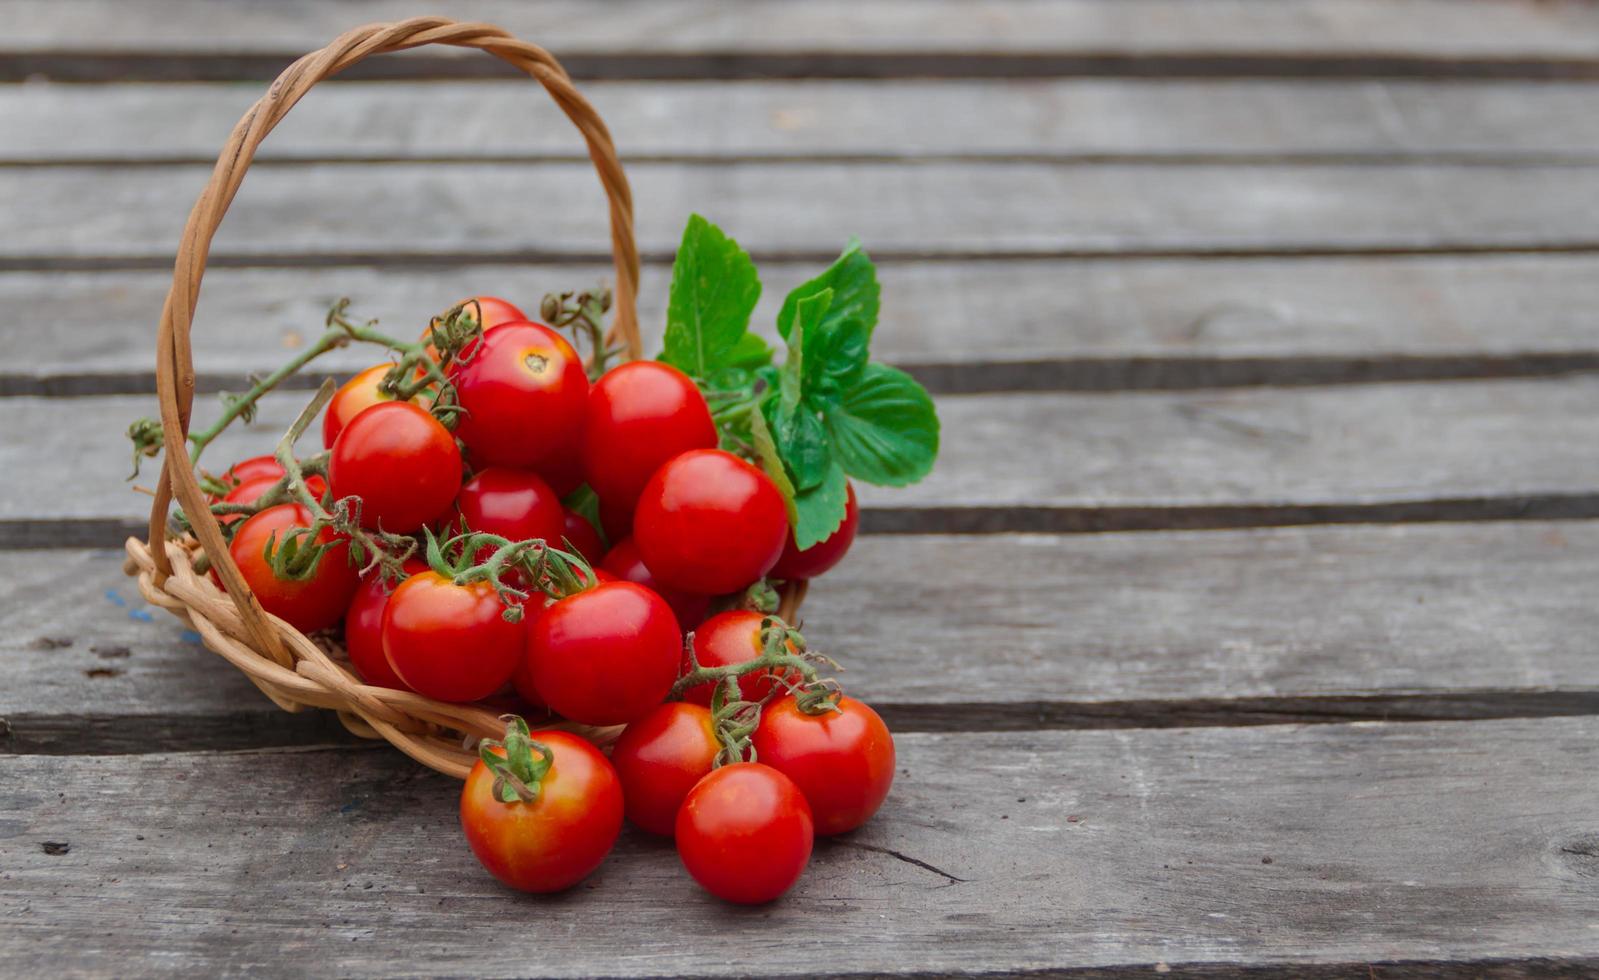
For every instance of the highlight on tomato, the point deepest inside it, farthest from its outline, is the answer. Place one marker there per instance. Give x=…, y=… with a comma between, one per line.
x=659, y=758
x=745, y=833
x=606, y=655
x=401, y=462
x=841, y=758
x=709, y=522
x=514, y=504
x=640, y=415
x=450, y=642
x=308, y=580
x=523, y=394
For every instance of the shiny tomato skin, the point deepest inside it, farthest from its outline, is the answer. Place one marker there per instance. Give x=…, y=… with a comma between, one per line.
x=314, y=604
x=745, y=833
x=363, y=628
x=732, y=637
x=581, y=535
x=843, y=761
x=624, y=562
x=823, y=555
x=251, y=490
x=353, y=397
x=710, y=523
x=515, y=504
x=401, y=462
x=253, y=468
x=560, y=838
x=522, y=679
x=525, y=393
x=606, y=655
x=660, y=758
x=640, y=415
x=450, y=642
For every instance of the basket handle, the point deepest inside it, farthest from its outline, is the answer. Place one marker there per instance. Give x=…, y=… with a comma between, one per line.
x=174, y=358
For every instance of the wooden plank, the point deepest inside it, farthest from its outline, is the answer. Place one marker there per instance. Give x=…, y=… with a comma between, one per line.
x=1019, y=631
x=1200, y=455
x=1066, y=323
x=1057, y=119
x=388, y=213
x=1331, y=851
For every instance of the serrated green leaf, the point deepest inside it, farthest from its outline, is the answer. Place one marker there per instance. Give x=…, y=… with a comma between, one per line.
x=820, y=510
x=714, y=291
x=853, y=280
x=884, y=428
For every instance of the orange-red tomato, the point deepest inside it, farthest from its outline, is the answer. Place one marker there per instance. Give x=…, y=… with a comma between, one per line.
x=745, y=833
x=363, y=628
x=660, y=758
x=523, y=391
x=606, y=655
x=312, y=604
x=558, y=839
x=450, y=642
x=727, y=638
x=353, y=397
x=843, y=761
x=401, y=462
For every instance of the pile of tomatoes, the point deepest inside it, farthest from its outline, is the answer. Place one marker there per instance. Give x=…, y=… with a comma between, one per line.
x=600, y=630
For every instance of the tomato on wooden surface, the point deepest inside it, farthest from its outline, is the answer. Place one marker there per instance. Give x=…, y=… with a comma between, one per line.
x=824, y=554
x=843, y=761
x=745, y=833
x=450, y=642
x=525, y=394
x=606, y=655
x=581, y=535
x=514, y=504
x=640, y=415
x=733, y=637
x=401, y=462
x=624, y=562
x=251, y=490
x=557, y=839
x=314, y=603
x=659, y=758
x=708, y=522
x=363, y=628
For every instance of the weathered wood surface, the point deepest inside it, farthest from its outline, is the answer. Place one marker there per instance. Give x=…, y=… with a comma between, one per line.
x=1056, y=459
x=1013, y=632
x=407, y=212
x=961, y=325
x=1072, y=119
x=1318, y=850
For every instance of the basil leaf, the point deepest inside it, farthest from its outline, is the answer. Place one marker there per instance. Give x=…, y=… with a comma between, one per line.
x=884, y=429
x=801, y=437
x=853, y=280
x=749, y=353
x=835, y=356
x=771, y=463
x=714, y=290
x=820, y=510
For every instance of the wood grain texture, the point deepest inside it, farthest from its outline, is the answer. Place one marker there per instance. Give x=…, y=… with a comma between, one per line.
x=1087, y=119
x=1238, y=627
x=1314, y=850
x=1262, y=447
x=1124, y=324
x=386, y=213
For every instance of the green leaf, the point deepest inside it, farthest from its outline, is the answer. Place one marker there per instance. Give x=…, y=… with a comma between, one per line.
x=771, y=463
x=835, y=357
x=885, y=429
x=853, y=280
x=820, y=510
x=801, y=437
x=749, y=353
x=714, y=290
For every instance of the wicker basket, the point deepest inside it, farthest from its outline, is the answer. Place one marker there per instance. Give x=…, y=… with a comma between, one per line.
x=289, y=667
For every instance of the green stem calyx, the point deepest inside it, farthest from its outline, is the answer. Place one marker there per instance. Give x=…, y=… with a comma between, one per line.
x=519, y=764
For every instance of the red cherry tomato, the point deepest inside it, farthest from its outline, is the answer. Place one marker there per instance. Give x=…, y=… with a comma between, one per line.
x=824, y=554
x=745, y=833
x=251, y=490
x=640, y=415
x=401, y=462
x=843, y=761
x=659, y=758
x=708, y=522
x=313, y=604
x=580, y=534
x=448, y=641
x=727, y=638
x=558, y=839
x=363, y=628
x=524, y=392
x=522, y=679
x=514, y=504
x=354, y=397
x=606, y=655
x=250, y=469
x=624, y=562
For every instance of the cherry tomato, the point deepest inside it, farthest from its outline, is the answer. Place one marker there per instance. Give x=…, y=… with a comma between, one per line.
x=251, y=490
x=491, y=309
x=659, y=759
x=363, y=628
x=640, y=415
x=250, y=469
x=745, y=833
x=824, y=554
x=708, y=522
x=559, y=838
x=313, y=604
x=401, y=462
x=522, y=679
x=514, y=504
x=624, y=562
x=524, y=392
x=843, y=761
x=733, y=637
x=606, y=655
x=580, y=534
x=354, y=397
x=450, y=642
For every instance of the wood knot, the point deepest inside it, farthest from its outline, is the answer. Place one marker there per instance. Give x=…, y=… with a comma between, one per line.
x=1578, y=855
